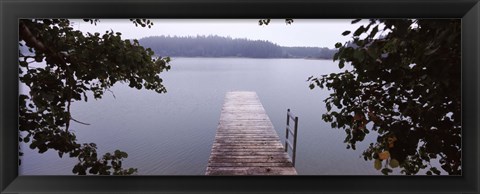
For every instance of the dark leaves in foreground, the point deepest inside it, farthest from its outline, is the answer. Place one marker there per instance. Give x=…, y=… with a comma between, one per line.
x=60, y=65
x=404, y=84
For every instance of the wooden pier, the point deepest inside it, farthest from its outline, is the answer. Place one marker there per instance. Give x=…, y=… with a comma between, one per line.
x=246, y=142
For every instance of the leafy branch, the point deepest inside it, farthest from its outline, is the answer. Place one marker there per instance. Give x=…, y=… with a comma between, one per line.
x=77, y=64
x=405, y=85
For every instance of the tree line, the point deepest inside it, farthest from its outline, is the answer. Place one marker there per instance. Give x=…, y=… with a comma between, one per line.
x=217, y=46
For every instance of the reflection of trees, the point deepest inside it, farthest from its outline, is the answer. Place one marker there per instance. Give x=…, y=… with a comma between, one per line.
x=407, y=84
x=75, y=65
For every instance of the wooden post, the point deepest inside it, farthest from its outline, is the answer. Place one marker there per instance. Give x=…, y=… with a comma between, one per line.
x=292, y=145
x=295, y=141
x=286, y=132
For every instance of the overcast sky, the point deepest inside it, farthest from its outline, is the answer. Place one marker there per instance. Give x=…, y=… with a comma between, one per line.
x=302, y=32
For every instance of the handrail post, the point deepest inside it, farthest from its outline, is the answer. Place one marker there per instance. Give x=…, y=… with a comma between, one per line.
x=295, y=141
x=286, y=129
x=294, y=133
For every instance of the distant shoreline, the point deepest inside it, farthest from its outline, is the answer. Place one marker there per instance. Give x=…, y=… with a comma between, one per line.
x=217, y=46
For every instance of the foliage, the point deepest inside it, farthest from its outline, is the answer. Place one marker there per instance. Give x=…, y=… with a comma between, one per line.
x=405, y=84
x=76, y=64
x=217, y=46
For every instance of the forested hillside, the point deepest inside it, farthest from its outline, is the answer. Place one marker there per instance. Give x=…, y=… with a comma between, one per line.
x=217, y=46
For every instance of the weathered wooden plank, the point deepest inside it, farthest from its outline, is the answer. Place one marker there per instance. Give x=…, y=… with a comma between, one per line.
x=242, y=119
x=231, y=140
x=276, y=156
x=249, y=145
x=231, y=137
x=250, y=164
x=243, y=116
x=264, y=133
x=263, y=123
x=243, y=142
x=250, y=109
x=251, y=171
x=248, y=153
x=246, y=123
x=243, y=138
x=246, y=136
x=244, y=128
x=272, y=143
x=244, y=160
x=248, y=150
x=240, y=128
x=246, y=146
x=250, y=123
x=236, y=132
x=250, y=134
x=246, y=142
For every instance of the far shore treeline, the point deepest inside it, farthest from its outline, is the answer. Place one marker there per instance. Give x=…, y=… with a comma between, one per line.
x=217, y=46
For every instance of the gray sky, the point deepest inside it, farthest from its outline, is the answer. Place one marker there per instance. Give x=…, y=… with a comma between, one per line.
x=302, y=32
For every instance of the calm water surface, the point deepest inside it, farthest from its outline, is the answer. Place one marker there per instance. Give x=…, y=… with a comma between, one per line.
x=172, y=133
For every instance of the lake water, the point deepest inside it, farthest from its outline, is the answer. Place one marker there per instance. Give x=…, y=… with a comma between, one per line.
x=172, y=133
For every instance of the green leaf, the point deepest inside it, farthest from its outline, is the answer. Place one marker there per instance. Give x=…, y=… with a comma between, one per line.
x=435, y=170
x=378, y=164
x=385, y=171
x=42, y=148
x=75, y=169
x=23, y=63
x=33, y=145
x=359, y=31
x=341, y=64
x=346, y=33
x=394, y=163
x=374, y=32
x=335, y=56
x=329, y=107
x=333, y=125
x=356, y=21
x=338, y=45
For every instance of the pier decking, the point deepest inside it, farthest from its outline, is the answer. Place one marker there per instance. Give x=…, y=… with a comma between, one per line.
x=246, y=142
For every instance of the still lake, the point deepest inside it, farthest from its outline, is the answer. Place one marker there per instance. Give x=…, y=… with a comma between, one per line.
x=172, y=133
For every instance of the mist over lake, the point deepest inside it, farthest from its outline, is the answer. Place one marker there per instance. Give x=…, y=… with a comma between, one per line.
x=172, y=133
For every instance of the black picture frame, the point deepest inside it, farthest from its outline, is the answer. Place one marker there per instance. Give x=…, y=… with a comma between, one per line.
x=12, y=10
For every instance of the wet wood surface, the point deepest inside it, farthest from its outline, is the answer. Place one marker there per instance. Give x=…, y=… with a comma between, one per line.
x=246, y=142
